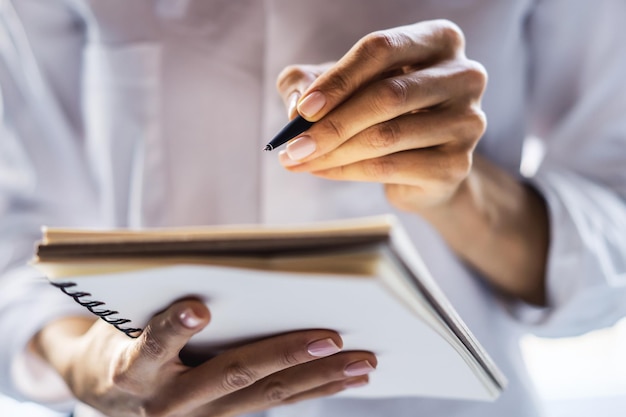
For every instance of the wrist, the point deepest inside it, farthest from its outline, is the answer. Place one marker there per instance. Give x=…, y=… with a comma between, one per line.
x=499, y=226
x=57, y=342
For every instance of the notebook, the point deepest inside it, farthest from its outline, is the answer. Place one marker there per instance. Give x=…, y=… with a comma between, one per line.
x=361, y=277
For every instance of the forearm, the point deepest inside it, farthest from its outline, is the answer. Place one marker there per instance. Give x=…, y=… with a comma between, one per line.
x=499, y=226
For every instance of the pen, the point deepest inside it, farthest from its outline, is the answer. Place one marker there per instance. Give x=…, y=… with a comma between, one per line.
x=290, y=131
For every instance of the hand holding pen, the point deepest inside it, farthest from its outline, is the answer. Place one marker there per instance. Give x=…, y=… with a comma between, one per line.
x=401, y=108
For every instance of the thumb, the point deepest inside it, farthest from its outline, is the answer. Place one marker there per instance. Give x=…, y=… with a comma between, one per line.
x=295, y=79
x=167, y=333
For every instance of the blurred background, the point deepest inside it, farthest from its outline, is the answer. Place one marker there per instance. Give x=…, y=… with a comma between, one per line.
x=581, y=376
x=576, y=377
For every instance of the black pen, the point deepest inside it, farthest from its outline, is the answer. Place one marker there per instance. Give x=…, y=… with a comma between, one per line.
x=292, y=129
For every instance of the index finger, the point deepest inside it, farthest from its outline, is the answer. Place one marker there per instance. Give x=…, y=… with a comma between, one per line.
x=419, y=45
x=243, y=366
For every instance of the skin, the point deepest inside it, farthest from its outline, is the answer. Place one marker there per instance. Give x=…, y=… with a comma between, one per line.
x=401, y=108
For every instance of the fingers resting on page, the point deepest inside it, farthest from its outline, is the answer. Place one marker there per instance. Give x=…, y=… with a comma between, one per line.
x=145, y=376
x=401, y=108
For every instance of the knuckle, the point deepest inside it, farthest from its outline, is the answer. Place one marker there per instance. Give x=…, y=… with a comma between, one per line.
x=393, y=93
x=152, y=346
x=335, y=127
x=236, y=376
x=475, y=77
x=289, y=358
x=339, y=84
x=452, y=34
x=379, y=45
x=379, y=169
x=384, y=136
x=276, y=391
x=472, y=127
x=478, y=122
x=289, y=76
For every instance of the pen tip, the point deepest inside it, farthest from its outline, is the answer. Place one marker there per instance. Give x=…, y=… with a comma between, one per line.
x=268, y=148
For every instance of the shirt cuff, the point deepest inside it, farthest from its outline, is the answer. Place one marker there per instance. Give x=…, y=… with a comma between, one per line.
x=27, y=303
x=586, y=268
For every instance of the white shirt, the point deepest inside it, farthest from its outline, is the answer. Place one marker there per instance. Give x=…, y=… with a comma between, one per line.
x=154, y=113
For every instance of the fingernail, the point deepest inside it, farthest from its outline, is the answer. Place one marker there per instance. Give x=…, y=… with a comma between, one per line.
x=284, y=159
x=300, y=148
x=293, y=102
x=358, y=368
x=324, y=347
x=312, y=104
x=189, y=319
x=355, y=383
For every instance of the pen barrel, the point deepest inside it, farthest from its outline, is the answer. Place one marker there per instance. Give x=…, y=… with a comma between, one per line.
x=292, y=129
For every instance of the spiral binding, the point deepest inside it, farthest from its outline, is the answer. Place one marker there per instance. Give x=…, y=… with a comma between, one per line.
x=92, y=305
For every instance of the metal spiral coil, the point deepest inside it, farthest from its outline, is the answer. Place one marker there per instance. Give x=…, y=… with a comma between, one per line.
x=92, y=305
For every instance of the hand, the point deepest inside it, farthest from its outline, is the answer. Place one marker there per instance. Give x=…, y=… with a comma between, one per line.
x=145, y=377
x=401, y=108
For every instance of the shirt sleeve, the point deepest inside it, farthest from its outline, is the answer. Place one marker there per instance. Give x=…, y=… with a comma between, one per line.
x=43, y=181
x=578, y=113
